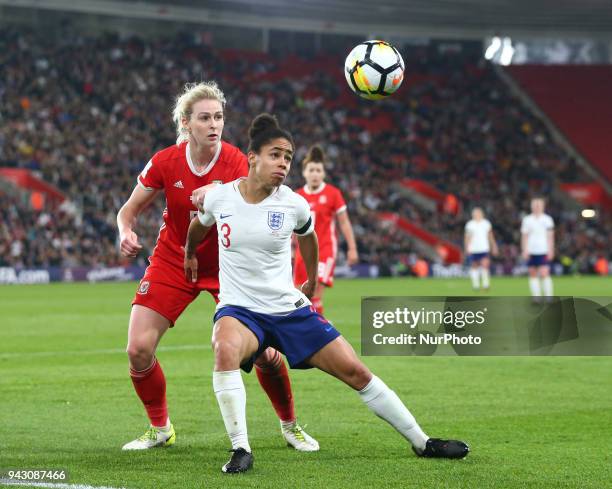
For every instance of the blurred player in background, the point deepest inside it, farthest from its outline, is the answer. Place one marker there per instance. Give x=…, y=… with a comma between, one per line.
x=256, y=218
x=479, y=242
x=199, y=158
x=538, y=248
x=326, y=205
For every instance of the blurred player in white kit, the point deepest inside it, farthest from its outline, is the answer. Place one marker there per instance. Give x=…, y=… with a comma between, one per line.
x=538, y=248
x=479, y=242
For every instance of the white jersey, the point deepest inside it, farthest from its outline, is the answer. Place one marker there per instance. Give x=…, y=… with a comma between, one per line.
x=478, y=232
x=536, y=228
x=255, y=247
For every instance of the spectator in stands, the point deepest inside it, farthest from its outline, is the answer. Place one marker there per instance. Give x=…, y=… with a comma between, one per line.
x=87, y=122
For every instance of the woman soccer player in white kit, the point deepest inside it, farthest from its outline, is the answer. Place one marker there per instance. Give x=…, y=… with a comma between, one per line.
x=479, y=241
x=538, y=248
x=259, y=306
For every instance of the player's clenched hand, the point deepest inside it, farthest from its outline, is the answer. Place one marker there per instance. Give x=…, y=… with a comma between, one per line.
x=197, y=196
x=308, y=288
x=191, y=268
x=352, y=257
x=129, y=244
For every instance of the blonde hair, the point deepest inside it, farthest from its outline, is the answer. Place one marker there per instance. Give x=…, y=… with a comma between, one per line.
x=192, y=93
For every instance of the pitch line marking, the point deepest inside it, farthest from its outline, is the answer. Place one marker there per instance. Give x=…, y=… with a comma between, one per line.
x=54, y=485
x=100, y=351
x=106, y=351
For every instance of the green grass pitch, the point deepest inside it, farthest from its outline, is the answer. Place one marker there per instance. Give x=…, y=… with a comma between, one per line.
x=67, y=402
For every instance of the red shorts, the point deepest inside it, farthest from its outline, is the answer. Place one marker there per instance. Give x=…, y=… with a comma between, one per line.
x=165, y=289
x=327, y=265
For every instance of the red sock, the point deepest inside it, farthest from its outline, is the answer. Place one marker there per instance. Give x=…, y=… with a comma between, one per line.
x=317, y=303
x=274, y=380
x=150, y=385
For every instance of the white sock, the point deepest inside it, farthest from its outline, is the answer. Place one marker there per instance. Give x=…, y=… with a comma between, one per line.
x=484, y=274
x=231, y=396
x=474, y=277
x=165, y=428
x=288, y=425
x=386, y=405
x=548, y=286
x=534, y=285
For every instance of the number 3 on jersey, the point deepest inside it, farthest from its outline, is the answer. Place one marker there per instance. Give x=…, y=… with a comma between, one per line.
x=225, y=230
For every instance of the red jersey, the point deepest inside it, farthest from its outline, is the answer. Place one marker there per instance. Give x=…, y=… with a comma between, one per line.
x=325, y=203
x=172, y=170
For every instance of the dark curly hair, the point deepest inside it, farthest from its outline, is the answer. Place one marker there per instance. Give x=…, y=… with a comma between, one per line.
x=264, y=129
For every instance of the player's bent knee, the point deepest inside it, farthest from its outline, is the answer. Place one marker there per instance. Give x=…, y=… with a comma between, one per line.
x=362, y=377
x=357, y=375
x=140, y=357
x=269, y=359
x=227, y=355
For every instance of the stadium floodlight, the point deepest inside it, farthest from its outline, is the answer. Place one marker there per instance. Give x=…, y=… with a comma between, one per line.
x=588, y=213
x=500, y=50
x=493, y=48
x=507, y=51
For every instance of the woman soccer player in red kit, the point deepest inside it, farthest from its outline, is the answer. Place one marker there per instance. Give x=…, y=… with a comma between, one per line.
x=326, y=205
x=199, y=158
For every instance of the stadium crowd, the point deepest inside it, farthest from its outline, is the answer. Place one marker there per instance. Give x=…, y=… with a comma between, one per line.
x=86, y=114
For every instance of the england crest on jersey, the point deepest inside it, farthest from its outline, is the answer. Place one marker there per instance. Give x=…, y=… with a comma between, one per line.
x=275, y=220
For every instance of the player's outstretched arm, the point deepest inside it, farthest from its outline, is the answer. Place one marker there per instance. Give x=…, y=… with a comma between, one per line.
x=309, y=248
x=126, y=219
x=195, y=235
x=352, y=256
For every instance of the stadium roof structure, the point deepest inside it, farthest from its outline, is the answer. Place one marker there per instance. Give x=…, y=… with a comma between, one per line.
x=461, y=19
